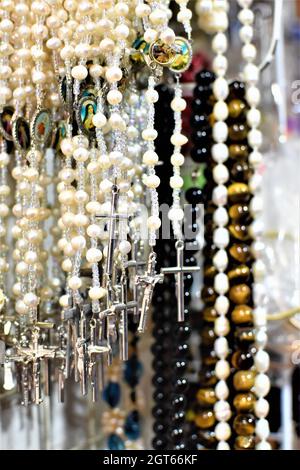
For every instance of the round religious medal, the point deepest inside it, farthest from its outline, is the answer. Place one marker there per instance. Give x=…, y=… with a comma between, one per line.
x=41, y=127
x=21, y=134
x=183, y=57
x=87, y=108
x=6, y=122
x=162, y=54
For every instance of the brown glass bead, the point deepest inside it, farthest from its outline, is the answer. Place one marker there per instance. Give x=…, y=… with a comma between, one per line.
x=240, y=294
x=236, y=108
x=242, y=314
x=244, y=337
x=244, y=424
x=240, y=252
x=208, y=295
x=243, y=380
x=206, y=396
x=209, y=274
x=210, y=314
x=244, y=443
x=238, y=151
x=240, y=274
x=207, y=438
x=244, y=402
x=241, y=172
x=208, y=335
x=239, y=212
x=207, y=377
x=239, y=232
x=238, y=193
x=205, y=419
x=238, y=132
x=242, y=360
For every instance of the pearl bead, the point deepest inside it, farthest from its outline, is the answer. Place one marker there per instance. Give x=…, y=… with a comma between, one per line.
x=177, y=159
x=220, y=152
x=222, y=326
x=222, y=445
x=30, y=257
x=150, y=158
x=117, y=122
x=99, y=120
x=75, y=283
x=255, y=138
x=260, y=318
x=222, y=369
x=152, y=181
x=220, y=111
x=262, y=385
x=96, y=293
x=157, y=16
x=255, y=182
x=184, y=15
x=220, y=65
x=249, y=52
x=221, y=237
x=151, y=96
x=176, y=214
x=251, y=74
x=178, y=140
x=219, y=43
x=67, y=147
x=259, y=270
x=222, y=305
x=31, y=300
x=261, y=408
x=113, y=74
x=221, y=347
x=22, y=268
x=21, y=307
x=94, y=231
x=263, y=445
x=262, y=429
x=67, y=265
x=222, y=390
x=262, y=361
x=221, y=217
x=222, y=410
x=220, y=132
x=93, y=255
x=221, y=89
x=167, y=36
x=81, y=154
x=220, y=195
x=255, y=159
x=124, y=247
x=142, y=10
x=256, y=205
x=253, y=96
x=245, y=3
x=220, y=174
x=78, y=243
x=221, y=283
x=222, y=431
x=121, y=31
x=176, y=182
x=246, y=16
x=149, y=134
x=220, y=260
x=178, y=104
x=256, y=229
x=79, y=72
x=246, y=33
x=150, y=35
x=93, y=207
x=153, y=222
x=221, y=21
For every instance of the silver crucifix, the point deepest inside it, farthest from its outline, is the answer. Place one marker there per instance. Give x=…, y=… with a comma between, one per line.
x=179, y=272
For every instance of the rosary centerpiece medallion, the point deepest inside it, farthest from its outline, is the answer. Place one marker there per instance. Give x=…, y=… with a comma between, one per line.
x=41, y=128
x=21, y=134
x=6, y=122
x=183, y=57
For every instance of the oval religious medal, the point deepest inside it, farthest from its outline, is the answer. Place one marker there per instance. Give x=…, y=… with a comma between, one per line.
x=87, y=108
x=162, y=54
x=6, y=119
x=41, y=127
x=183, y=57
x=21, y=134
x=59, y=134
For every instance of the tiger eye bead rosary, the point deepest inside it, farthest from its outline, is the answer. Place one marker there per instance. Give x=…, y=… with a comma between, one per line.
x=97, y=246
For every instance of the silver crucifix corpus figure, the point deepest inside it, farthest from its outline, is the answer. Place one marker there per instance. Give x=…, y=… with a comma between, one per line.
x=133, y=265
x=113, y=218
x=179, y=272
x=149, y=280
